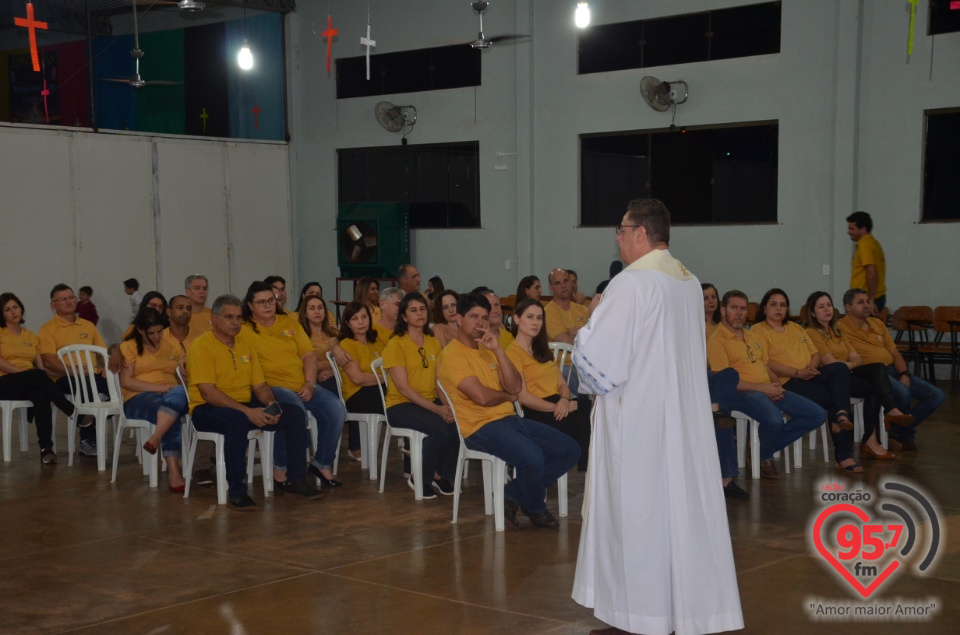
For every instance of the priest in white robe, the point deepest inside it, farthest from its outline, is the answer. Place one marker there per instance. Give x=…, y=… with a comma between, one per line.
x=655, y=554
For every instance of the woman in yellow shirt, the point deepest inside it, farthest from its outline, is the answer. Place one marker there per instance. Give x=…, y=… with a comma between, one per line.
x=360, y=392
x=545, y=396
x=23, y=378
x=289, y=364
x=711, y=307
x=315, y=320
x=868, y=381
x=368, y=294
x=796, y=361
x=151, y=391
x=410, y=358
x=444, y=314
x=309, y=290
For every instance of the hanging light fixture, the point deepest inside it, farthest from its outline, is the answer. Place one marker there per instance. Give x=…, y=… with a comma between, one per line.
x=582, y=15
x=245, y=56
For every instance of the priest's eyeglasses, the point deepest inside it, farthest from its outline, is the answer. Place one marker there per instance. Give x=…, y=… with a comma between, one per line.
x=620, y=227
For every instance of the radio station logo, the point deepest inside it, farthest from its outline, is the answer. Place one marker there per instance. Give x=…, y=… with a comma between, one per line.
x=867, y=540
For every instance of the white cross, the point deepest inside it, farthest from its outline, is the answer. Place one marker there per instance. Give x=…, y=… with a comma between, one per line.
x=366, y=41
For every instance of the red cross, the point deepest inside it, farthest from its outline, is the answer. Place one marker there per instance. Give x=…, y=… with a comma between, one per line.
x=32, y=25
x=329, y=34
x=256, y=110
x=46, y=93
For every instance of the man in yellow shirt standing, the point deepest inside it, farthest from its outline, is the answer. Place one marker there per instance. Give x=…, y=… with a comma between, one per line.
x=869, y=268
x=564, y=316
x=483, y=383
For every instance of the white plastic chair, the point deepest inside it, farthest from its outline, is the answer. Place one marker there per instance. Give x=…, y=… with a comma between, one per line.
x=81, y=362
x=416, y=438
x=190, y=438
x=369, y=426
x=494, y=475
x=7, y=409
x=743, y=423
x=563, y=355
x=561, y=482
x=143, y=429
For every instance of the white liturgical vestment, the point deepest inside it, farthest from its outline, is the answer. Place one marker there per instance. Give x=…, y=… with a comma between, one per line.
x=655, y=554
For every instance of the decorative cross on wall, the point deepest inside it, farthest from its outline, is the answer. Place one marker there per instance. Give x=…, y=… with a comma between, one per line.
x=32, y=25
x=204, y=115
x=366, y=41
x=46, y=93
x=256, y=110
x=330, y=33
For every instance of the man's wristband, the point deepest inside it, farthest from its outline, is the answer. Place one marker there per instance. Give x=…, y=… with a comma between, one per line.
x=904, y=372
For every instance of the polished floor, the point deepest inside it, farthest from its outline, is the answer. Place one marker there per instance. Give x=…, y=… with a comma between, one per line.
x=79, y=554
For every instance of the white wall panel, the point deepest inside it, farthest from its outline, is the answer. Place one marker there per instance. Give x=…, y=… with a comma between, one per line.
x=259, y=223
x=37, y=219
x=193, y=238
x=113, y=196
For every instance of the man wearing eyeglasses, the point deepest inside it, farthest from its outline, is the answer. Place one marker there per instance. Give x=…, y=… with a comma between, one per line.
x=759, y=393
x=654, y=513
x=66, y=328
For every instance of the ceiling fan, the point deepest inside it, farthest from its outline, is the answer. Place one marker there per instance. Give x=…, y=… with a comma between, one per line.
x=482, y=42
x=136, y=81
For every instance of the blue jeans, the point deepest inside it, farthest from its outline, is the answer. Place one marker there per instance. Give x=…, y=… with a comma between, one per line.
x=723, y=392
x=928, y=397
x=540, y=454
x=830, y=390
x=775, y=434
x=234, y=426
x=146, y=405
x=327, y=409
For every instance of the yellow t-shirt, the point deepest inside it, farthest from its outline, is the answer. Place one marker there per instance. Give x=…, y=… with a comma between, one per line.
x=791, y=348
x=364, y=353
x=505, y=338
x=542, y=378
x=829, y=344
x=383, y=335
x=711, y=329
x=375, y=313
x=200, y=321
x=155, y=368
x=868, y=251
x=177, y=344
x=559, y=320
x=58, y=333
x=403, y=352
x=457, y=362
x=872, y=344
x=320, y=341
x=280, y=347
x=234, y=371
x=748, y=358
x=20, y=350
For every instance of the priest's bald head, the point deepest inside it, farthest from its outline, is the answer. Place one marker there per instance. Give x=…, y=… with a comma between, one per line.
x=645, y=227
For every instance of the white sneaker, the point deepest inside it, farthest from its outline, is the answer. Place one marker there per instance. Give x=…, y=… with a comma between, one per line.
x=88, y=448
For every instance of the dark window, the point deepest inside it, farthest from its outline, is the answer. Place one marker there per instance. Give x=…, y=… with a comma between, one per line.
x=941, y=166
x=440, y=181
x=693, y=37
x=944, y=16
x=705, y=176
x=409, y=71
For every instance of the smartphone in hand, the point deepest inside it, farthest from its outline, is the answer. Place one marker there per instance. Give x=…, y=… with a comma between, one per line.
x=273, y=409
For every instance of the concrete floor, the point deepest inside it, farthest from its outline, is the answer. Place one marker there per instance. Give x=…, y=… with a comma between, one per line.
x=80, y=554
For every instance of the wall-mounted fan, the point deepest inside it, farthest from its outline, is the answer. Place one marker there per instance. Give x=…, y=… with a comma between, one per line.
x=136, y=81
x=396, y=118
x=373, y=239
x=661, y=96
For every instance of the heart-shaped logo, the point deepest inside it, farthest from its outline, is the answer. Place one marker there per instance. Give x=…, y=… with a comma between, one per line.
x=854, y=537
